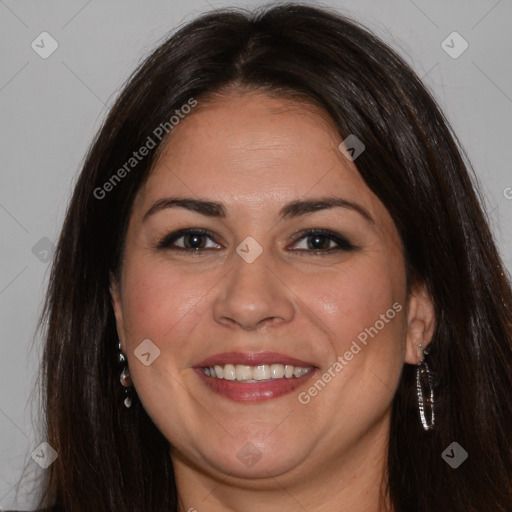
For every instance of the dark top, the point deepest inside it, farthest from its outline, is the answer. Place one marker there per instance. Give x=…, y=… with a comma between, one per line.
x=56, y=508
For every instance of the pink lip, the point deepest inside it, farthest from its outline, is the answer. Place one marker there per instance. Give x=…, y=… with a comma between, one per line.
x=252, y=359
x=253, y=391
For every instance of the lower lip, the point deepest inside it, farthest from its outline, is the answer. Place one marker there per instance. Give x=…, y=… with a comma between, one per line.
x=253, y=391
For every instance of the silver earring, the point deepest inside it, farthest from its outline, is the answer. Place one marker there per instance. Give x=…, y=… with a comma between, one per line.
x=425, y=401
x=125, y=379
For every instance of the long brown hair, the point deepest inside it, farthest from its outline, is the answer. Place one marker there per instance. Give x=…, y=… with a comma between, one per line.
x=113, y=458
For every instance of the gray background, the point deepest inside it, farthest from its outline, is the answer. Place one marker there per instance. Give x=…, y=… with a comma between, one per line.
x=51, y=108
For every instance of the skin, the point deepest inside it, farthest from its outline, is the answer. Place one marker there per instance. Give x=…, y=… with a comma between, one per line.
x=254, y=153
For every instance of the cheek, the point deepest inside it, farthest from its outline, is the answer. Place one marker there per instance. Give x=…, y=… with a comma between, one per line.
x=352, y=298
x=158, y=302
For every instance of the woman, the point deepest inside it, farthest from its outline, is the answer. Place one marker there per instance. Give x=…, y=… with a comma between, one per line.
x=276, y=289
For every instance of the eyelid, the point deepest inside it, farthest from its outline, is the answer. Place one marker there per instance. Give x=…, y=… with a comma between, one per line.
x=168, y=240
x=343, y=244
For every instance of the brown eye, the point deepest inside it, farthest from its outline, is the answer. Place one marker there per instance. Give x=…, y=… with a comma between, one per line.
x=322, y=241
x=189, y=240
x=194, y=241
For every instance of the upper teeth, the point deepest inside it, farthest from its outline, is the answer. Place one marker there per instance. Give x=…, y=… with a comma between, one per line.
x=241, y=372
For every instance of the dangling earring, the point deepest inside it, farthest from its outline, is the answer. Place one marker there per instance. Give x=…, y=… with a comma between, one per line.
x=425, y=403
x=125, y=379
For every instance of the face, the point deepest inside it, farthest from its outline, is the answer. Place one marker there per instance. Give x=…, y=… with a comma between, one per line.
x=256, y=248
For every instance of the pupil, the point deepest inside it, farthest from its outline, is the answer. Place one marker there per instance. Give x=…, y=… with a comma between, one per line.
x=315, y=242
x=193, y=241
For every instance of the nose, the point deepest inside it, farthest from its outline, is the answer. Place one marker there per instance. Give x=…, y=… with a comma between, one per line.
x=253, y=296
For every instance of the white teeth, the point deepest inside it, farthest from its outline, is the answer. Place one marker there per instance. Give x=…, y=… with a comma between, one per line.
x=229, y=372
x=297, y=372
x=244, y=373
x=277, y=371
x=261, y=372
x=219, y=371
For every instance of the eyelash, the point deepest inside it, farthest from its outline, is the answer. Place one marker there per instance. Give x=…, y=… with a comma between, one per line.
x=343, y=244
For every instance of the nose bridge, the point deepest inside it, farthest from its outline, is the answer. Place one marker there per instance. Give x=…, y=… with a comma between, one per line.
x=252, y=295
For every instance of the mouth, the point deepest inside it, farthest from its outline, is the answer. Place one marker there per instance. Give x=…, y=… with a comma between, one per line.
x=250, y=377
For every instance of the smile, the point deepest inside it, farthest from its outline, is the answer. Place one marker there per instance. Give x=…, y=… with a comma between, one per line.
x=251, y=377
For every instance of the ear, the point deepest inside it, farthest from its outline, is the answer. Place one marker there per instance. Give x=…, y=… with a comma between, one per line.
x=115, y=294
x=420, y=323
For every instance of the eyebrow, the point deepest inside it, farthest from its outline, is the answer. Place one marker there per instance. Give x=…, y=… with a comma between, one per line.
x=293, y=209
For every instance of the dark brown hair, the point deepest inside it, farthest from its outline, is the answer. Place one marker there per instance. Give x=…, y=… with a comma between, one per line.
x=111, y=458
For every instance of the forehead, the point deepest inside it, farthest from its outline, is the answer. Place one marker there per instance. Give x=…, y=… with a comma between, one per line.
x=252, y=149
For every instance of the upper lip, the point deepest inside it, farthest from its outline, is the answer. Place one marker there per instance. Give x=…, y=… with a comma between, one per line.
x=252, y=359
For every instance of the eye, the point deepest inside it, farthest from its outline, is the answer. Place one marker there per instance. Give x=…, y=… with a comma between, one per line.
x=311, y=241
x=322, y=241
x=194, y=240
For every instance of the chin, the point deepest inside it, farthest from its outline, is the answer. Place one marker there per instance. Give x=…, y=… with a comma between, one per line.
x=254, y=456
